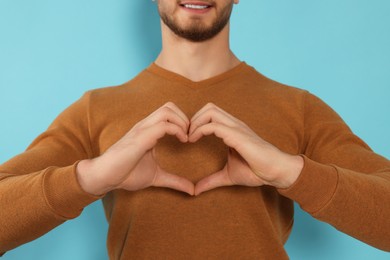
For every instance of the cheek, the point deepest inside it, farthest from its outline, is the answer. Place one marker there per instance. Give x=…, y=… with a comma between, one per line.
x=226, y=11
x=169, y=10
x=164, y=7
x=169, y=6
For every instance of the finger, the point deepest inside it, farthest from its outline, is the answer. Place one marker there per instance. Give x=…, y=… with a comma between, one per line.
x=168, y=113
x=178, y=111
x=211, y=106
x=164, y=128
x=168, y=180
x=149, y=136
x=211, y=115
x=230, y=136
x=215, y=180
x=203, y=109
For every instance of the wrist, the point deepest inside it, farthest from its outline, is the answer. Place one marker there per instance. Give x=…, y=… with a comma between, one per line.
x=295, y=169
x=292, y=168
x=88, y=179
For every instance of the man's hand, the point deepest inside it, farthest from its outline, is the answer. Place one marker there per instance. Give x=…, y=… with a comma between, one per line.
x=251, y=160
x=130, y=163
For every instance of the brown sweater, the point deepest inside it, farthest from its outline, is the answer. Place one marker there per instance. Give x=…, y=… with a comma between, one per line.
x=343, y=183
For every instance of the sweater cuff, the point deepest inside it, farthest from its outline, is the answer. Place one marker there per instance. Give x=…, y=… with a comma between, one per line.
x=314, y=187
x=63, y=192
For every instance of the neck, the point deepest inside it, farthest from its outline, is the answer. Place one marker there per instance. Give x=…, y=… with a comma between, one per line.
x=196, y=60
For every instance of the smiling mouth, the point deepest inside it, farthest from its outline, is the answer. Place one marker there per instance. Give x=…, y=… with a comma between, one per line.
x=196, y=6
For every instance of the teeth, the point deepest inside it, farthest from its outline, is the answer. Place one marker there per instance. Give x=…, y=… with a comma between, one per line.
x=196, y=6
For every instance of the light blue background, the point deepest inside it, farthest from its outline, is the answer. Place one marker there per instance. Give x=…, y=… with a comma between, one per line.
x=51, y=52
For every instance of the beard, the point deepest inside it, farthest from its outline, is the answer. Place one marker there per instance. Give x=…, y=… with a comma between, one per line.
x=197, y=31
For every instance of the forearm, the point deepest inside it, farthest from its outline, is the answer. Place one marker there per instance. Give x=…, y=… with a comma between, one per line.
x=33, y=204
x=352, y=202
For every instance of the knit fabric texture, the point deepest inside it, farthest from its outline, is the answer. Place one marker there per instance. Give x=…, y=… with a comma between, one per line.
x=343, y=182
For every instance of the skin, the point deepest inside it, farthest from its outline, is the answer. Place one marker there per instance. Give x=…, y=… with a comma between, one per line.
x=130, y=163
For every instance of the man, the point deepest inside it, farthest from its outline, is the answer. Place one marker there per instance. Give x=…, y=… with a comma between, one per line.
x=233, y=147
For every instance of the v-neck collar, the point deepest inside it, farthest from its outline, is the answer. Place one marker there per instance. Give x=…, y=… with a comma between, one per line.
x=173, y=76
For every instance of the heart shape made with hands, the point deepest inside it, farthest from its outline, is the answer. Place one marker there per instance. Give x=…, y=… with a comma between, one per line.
x=214, y=140
x=133, y=159
x=248, y=159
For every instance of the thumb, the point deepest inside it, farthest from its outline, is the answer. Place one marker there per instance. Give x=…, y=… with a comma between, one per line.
x=168, y=180
x=215, y=180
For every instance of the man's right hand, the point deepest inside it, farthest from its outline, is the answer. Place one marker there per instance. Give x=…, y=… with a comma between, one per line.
x=130, y=163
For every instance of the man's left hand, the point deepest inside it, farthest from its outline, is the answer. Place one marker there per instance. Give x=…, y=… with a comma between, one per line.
x=251, y=160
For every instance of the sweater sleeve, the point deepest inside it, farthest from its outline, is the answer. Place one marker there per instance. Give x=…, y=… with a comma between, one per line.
x=39, y=189
x=343, y=182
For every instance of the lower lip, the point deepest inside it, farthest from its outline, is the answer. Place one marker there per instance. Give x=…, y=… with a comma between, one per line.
x=196, y=11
